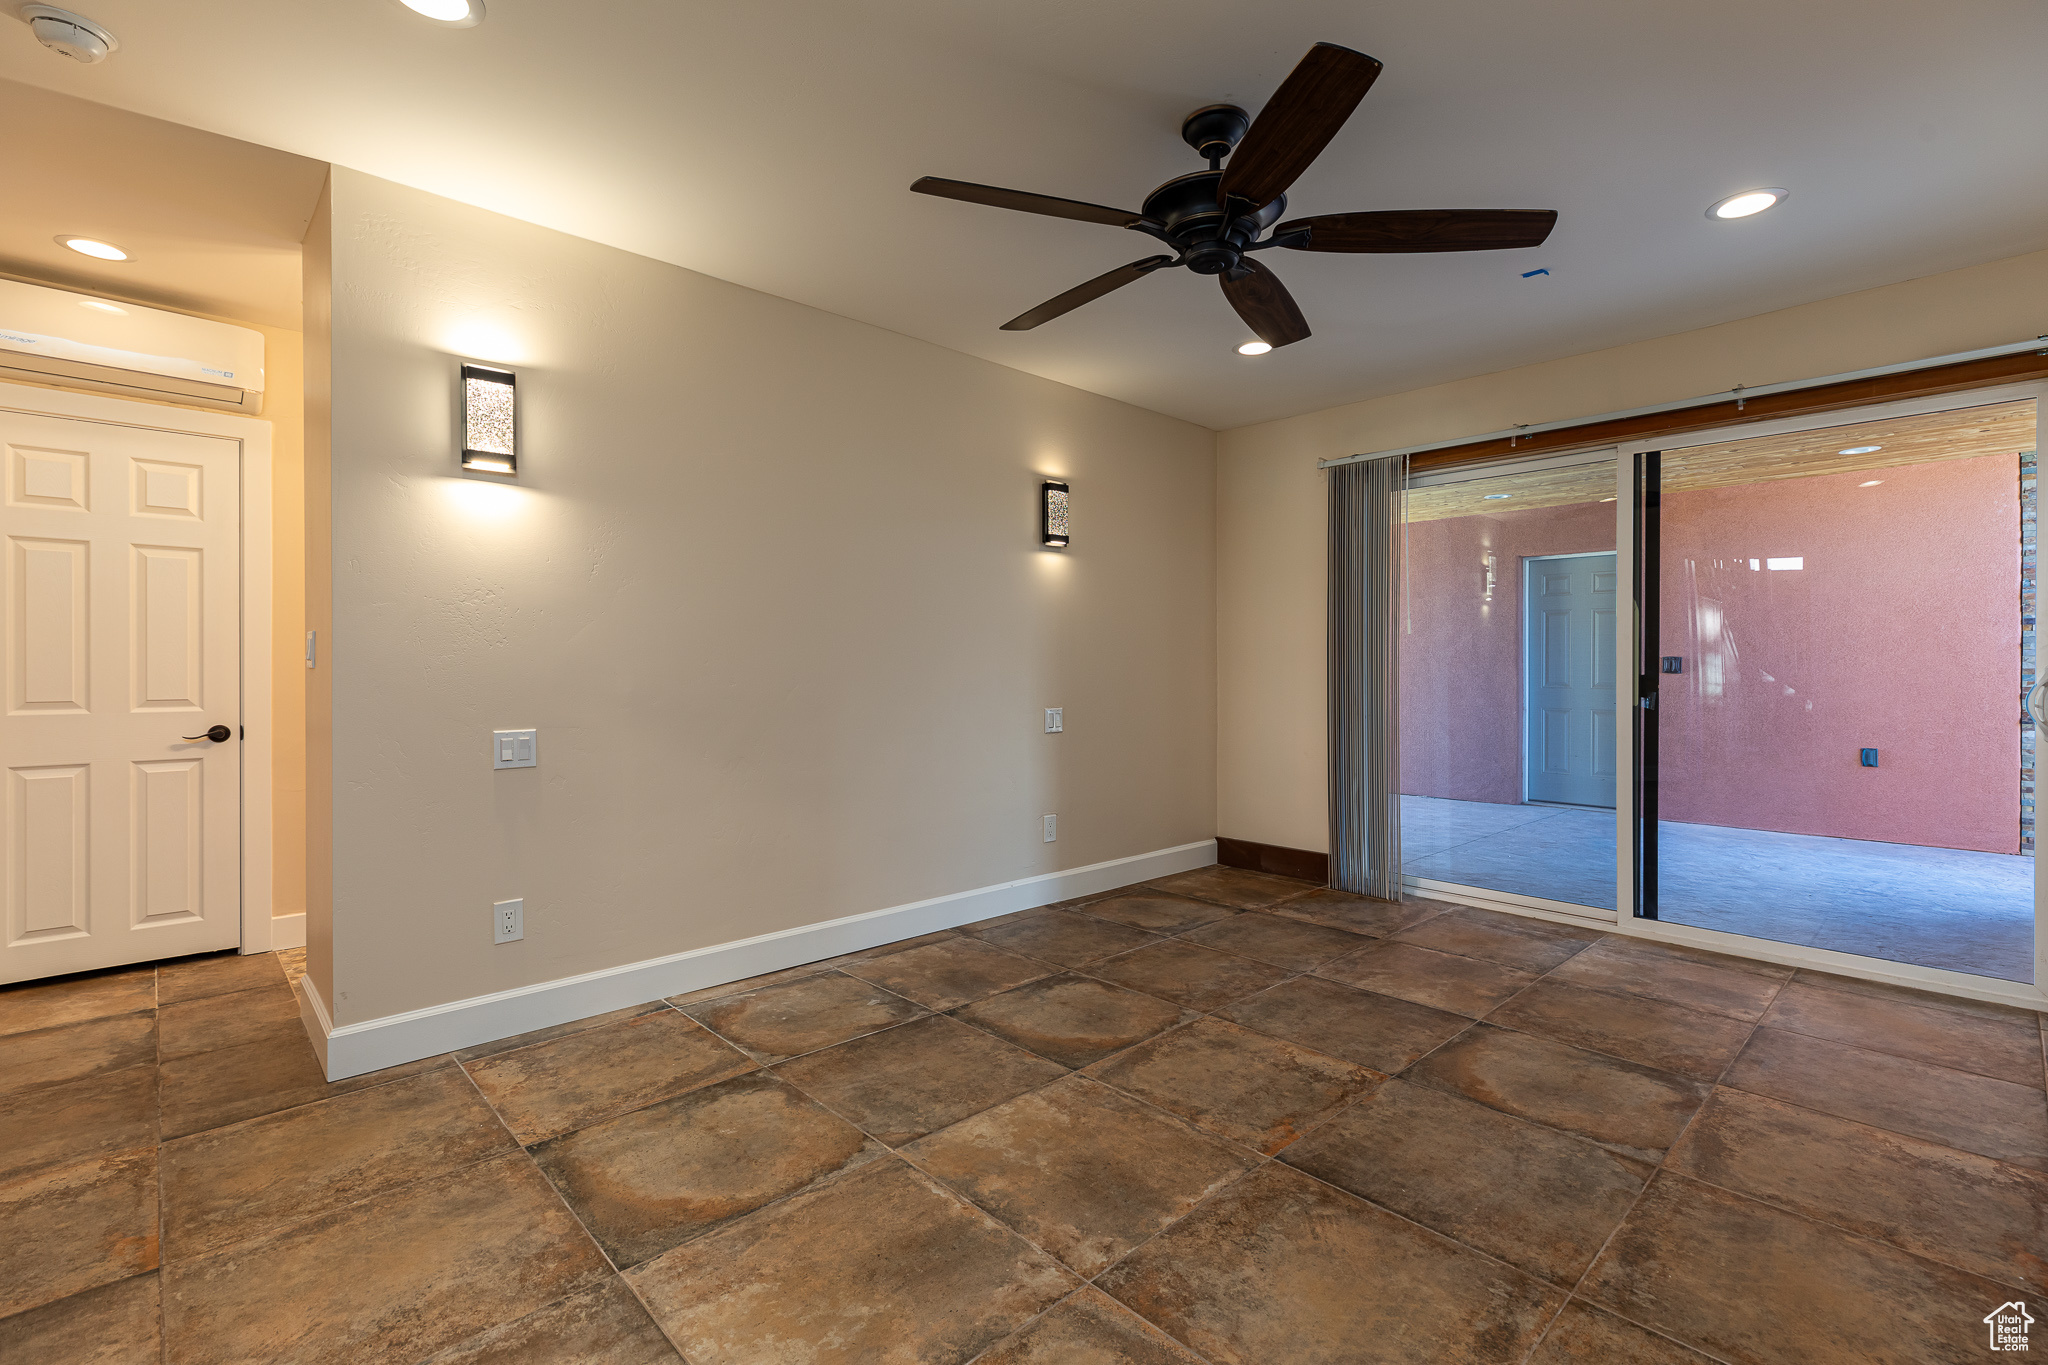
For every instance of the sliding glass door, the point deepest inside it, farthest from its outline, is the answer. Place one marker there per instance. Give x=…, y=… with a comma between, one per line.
x=1509, y=763
x=1836, y=639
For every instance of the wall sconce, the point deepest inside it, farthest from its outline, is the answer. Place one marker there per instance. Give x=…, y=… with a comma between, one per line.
x=1052, y=518
x=490, y=441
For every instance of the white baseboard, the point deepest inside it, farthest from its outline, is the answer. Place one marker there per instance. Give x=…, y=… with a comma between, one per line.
x=352, y=1049
x=319, y=1024
x=288, y=931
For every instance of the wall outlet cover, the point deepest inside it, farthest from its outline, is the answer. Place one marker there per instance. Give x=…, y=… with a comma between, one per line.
x=508, y=921
x=1055, y=719
x=1052, y=828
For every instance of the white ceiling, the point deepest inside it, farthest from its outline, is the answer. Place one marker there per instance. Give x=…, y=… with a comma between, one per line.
x=212, y=225
x=772, y=144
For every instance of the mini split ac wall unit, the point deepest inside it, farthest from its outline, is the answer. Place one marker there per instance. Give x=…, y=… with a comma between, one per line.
x=56, y=337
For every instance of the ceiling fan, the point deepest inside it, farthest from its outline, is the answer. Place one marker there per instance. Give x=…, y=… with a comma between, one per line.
x=1213, y=219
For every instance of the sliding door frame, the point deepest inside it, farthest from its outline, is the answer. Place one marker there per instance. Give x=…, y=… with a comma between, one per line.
x=1630, y=803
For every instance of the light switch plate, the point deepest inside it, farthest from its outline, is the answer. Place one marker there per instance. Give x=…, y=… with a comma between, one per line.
x=508, y=921
x=1052, y=828
x=515, y=748
x=1055, y=719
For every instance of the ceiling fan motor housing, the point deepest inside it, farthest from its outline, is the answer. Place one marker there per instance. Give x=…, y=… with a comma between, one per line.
x=1186, y=207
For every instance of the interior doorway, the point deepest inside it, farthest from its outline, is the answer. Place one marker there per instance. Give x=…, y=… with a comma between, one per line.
x=1568, y=670
x=136, y=809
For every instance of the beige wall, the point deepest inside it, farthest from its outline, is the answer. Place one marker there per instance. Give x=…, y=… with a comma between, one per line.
x=1270, y=495
x=316, y=701
x=769, y=587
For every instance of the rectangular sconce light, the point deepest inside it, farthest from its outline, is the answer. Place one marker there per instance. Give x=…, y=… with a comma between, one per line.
x=490, y=441
x=1052, y=521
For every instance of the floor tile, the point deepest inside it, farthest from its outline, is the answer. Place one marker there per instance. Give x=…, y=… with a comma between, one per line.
x=1065, y=938
x=1683, y=976
x=1360, y=1026
x=1534, y=1197
x=73, y=1228
x=1635, y=1028
x=1746, y=1282
x=1292, y=944
x=1967, y=1211
x=546, y=1035
x=601, y=1326
x=1885, y=990
x=1157, y=912
x=1975, y=1113
x=73, y=999
x=248, y=1180
x=1282, y=1268
x=1628, y=1106
x=1089, y=1328
x=555, y=1087
x=880, y=1265
x=116, y=1324
x=1233, y=886
x=1533, y=945
x=190, y=978
x=652, y=1179
x=75, y=1120
x=944, y=976
x=1188, y=974
x=293, y=963
x=1366, y=915
x=752, y=983
x=1074, y=1020
x=909, y=1081
x=229, y=1020
x=399, y=1277
x=277, y=1072
x=1583, y=1335
x=94, y=1047
x=775, y=1023
x=2005, y=1048
x=1445, y=981
x=1080, y=1170
x=1244, y=1086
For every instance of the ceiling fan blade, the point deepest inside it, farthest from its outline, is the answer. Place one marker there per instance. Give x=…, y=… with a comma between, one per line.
x=1297, y=123
x=1265, y=305
x=1425, y=230
x=1019, y=200
x=1085, y=293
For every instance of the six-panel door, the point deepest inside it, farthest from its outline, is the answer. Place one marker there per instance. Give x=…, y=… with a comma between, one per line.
x=122, y=620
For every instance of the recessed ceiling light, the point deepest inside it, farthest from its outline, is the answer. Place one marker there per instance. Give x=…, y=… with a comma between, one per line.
x=102, y=305
x=87, y=246
x=1490, y=497
x=454, y=13
x=1745, y=204
x=1870, y=483
x=1255, y=348
x=1859, y=450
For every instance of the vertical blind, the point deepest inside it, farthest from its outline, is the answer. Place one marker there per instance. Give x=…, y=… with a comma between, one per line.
x=1365, y=676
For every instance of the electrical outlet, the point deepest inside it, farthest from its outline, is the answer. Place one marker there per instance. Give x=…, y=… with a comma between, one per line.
x=1052, y=828
x=1055, y=719
x=508, y=921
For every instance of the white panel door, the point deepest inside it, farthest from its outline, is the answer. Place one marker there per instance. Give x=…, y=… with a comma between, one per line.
x=123, y=640
x=1568, y=667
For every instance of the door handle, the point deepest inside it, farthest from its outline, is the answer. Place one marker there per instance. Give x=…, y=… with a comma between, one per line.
x=2034, y=701
x=219, y=734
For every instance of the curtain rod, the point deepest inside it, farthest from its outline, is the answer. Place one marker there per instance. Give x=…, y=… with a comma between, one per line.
x=1739, y=394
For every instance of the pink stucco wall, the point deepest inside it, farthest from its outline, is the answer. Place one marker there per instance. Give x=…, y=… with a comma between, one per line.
x=1461, y=658
x=1900, y=632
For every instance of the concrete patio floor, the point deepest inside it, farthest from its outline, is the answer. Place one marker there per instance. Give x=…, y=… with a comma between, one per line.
x=1934, y=907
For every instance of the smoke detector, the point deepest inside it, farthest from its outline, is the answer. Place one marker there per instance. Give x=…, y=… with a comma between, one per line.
x=73, y=35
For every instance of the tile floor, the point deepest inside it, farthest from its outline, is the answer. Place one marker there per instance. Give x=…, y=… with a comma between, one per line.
x=1222, y=1117
x=1935, y=907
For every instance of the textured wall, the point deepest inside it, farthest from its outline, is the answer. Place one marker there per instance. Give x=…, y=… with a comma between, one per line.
x=770, y=588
